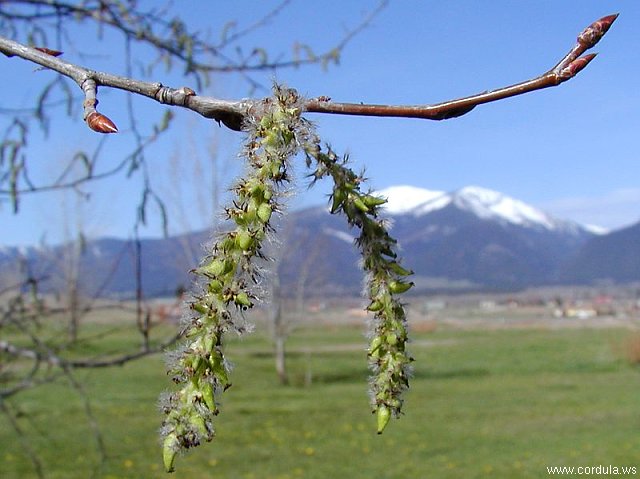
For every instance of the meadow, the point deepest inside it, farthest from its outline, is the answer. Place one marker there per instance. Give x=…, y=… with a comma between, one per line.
x=499, y=403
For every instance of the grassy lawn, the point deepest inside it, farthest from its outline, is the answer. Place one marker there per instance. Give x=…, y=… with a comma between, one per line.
x=481, y=404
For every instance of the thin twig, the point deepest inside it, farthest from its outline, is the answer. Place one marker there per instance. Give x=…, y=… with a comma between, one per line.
x=254, y=26
x=88, y=410
x=53, y=359
x=24, y=441
x=566, y=69
x=176, y=41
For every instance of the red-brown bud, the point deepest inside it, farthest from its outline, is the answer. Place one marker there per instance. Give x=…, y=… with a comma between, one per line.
x=594, y=32
x=48, y=51
x=100, y=123
x=576, y=66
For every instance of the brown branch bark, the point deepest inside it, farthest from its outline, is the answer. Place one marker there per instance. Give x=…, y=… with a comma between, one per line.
x=232, y=113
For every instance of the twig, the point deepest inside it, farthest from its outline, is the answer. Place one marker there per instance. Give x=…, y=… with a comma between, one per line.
x=143, y=27
x=53, y=359
x=566, y=69
x=96, y=120
x=88, y=410
x=256, y=25
x=232, y=113
x=24, y=441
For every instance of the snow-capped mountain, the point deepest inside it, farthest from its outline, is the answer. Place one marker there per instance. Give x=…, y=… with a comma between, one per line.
x=472, y=239
x=406, y=199
x=484, y=203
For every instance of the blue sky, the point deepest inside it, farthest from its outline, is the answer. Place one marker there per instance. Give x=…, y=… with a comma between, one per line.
x=570, y=150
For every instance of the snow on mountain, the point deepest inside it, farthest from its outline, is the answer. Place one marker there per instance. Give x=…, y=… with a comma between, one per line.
x=482, y=202
x=596, y=230
x=341, y=235
x=491, y=204
x=403, y=199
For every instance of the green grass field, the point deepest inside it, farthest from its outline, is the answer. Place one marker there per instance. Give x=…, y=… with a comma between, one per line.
x=481, y=404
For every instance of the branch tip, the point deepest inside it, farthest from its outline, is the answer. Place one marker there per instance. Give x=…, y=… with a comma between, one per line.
x=594, y=32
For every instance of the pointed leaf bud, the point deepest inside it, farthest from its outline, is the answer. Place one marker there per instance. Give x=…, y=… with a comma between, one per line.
x=576, y=66
x=100, y=123
x=49, y=51
x=594, y=32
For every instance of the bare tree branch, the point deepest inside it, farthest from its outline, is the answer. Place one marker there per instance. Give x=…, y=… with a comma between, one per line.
x=232, y=113
x=53, y=359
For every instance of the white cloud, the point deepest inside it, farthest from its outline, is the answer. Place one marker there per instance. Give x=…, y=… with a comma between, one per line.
x=615, y=209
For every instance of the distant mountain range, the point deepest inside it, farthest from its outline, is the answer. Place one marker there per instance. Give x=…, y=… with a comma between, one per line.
x=613, y=257
x=469, y=239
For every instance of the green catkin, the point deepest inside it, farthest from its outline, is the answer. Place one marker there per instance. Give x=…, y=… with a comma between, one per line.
x=388, y=357
x=228, y=276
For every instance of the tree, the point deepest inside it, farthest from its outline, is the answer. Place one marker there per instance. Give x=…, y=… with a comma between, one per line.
x=275, y=131
x=308, y=275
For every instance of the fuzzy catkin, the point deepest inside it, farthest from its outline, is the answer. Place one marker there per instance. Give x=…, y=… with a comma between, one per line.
x=229, y=274
x=385, y=280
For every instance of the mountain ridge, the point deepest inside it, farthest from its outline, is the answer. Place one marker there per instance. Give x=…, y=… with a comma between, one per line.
x=482, y=201
x=469, y=239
